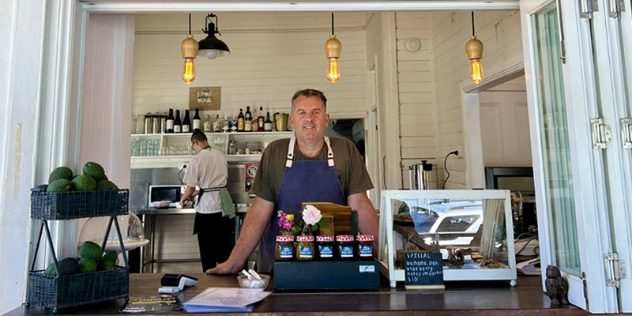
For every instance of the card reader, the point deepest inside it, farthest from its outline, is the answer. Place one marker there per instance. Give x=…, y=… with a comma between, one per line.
x=174, y=283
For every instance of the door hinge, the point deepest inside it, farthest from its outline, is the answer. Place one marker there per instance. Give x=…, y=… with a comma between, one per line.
x=616, y=7
x=626, y=132
x=601, y=133
x=587, y=7
x=615, y=269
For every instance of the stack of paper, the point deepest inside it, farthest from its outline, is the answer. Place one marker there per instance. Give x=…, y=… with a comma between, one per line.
x=224, y=300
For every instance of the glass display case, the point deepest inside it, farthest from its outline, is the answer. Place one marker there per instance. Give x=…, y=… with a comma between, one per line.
x=468, y=227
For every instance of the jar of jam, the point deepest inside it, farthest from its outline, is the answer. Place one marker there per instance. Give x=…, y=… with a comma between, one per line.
x=305, y=247
x=345, y=247
x=325, y=247
x=365, y=247
x=284, y=249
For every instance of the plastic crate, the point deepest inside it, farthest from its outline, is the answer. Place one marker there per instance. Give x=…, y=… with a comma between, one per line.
x=77, y=289
x=78, y=204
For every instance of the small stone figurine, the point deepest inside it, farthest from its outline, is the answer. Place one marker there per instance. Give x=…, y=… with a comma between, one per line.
x=556, y=286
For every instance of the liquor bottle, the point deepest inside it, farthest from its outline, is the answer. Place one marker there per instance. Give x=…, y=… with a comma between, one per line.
x=240, y=121
x=248, y=120
x=226, y=125
x=177, y=125
x=261, y=120
x=196, y=120
x=217, y=124
x=268, y=124
x=170, y=121
x=234, y=124
x=186, y=123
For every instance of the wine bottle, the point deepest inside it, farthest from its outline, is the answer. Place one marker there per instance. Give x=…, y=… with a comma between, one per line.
x=177, y=125
x=240, y=121
x=170, y=121
x=186, y=123
x=267, y=124
x=196, y=120
x=217, y=124
x=248, y=120
x=261, y=120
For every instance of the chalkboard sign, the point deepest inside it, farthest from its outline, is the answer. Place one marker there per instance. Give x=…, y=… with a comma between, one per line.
x=423, y=270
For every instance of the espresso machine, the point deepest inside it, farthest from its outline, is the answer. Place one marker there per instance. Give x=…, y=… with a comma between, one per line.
x=423, y=176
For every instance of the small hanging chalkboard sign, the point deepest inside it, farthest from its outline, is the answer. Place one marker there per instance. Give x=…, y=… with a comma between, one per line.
x=423, y=271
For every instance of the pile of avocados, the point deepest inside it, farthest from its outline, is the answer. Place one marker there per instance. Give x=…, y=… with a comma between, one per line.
x=93, y=178
x=92, y=259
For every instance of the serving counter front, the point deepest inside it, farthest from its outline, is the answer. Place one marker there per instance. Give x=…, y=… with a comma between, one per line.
x=459, y=298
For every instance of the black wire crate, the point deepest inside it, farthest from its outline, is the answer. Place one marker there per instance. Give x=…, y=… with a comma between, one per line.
x=78, y=204
x=77, y=289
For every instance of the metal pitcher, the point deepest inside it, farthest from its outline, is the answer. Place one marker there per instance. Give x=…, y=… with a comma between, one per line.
x=422, y=176
x=281, y=121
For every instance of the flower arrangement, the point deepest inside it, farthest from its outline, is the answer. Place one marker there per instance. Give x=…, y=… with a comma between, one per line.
x=312, y=220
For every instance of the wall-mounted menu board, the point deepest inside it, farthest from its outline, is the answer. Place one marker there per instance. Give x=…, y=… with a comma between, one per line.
x=423, y=270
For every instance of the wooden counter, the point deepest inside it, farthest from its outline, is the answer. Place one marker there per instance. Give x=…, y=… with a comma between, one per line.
x=459, y=298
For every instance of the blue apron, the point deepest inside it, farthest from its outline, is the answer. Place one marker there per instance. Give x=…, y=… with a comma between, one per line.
x=303, y=181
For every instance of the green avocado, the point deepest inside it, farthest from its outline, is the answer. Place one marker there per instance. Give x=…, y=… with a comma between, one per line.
x=60, y=185
x=94, y=170
x=106, y=265
x=110, y=255
x=105, y=185
x=60, y=173
x=87, y=265
x=66, y=266
x=90, y=250
x=84, y=183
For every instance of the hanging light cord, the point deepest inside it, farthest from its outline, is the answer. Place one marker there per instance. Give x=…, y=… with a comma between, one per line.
x=473, y=34
x=189, y=23
x=332, y=23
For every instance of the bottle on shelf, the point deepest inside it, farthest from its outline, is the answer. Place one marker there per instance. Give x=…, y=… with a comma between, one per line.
x=233, y=124
x=226, y=125
x=197, y=120
x=248, y=120
x=267, y=124
x=261, y=120
x=240, y=121
x=177, y=124
x=217, y=124
x=232, y=147
x=170, y=120
x=186, y=123
x=207, y=124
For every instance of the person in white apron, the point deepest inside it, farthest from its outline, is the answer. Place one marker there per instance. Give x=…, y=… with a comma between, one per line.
x=302, y=169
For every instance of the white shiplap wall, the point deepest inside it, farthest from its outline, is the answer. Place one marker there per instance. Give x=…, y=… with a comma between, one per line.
x=416, y=97
x=501, y=34
x=273, y=54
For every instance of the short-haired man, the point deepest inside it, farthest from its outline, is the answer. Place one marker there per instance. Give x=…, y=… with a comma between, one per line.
x=307, y=168
x=208, y=170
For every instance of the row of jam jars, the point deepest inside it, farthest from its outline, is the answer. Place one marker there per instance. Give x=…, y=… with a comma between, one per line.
x=347, y=247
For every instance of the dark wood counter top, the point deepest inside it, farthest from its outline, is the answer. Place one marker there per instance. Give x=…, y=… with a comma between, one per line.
x=459, y=298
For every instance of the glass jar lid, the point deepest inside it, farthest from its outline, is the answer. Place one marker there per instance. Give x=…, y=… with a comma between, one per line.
x=285, y=238
x=305, y=238
x=364, y=238
x=324, y=238
x=344, y=238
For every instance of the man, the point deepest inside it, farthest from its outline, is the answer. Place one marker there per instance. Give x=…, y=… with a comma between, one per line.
x=208, y=170
x=307, y=168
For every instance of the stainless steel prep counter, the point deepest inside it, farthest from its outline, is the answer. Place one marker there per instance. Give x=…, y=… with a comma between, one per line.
x=149, y=217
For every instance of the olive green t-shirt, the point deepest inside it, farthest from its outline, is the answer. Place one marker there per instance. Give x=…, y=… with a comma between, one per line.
x=350, y=168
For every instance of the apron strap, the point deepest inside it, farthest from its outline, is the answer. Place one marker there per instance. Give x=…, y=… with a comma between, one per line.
x=201, y=192
x=290, y=153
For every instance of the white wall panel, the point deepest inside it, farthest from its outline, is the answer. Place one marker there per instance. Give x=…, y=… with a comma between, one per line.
x=500, y=33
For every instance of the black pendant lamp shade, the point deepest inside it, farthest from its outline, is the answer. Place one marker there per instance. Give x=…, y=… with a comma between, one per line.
x=211, y=46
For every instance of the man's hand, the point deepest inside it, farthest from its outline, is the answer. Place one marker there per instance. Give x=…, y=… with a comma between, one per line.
x=223, y=268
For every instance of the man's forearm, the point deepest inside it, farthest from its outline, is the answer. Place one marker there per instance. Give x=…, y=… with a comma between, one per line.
x=367, y=216
x=187, y=193
x=251, y=231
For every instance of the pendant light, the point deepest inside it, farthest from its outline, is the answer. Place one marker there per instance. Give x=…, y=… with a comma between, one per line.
x=189, y=50
x=474, y=49
x=333, y=48
x=211, y=46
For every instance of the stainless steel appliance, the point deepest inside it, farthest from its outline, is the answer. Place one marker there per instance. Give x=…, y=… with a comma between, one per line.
x=159, y=193
x=422, y=176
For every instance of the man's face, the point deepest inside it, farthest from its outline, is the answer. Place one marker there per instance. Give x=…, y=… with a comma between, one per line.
x=308, y=118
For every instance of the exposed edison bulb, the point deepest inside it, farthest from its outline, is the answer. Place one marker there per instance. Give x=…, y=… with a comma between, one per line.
x=476, y=71
x=188, y=71
x=333, y=71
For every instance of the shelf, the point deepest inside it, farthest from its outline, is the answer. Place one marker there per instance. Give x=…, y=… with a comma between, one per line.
x=177, y=161
x=289, y=134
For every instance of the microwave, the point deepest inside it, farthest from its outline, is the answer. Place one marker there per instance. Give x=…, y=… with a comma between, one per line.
x=160, y=193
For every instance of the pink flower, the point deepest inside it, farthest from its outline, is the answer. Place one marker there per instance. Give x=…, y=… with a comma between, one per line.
x=311, y=215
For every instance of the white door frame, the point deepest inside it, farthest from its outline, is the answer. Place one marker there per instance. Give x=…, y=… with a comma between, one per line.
x=475, y=178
